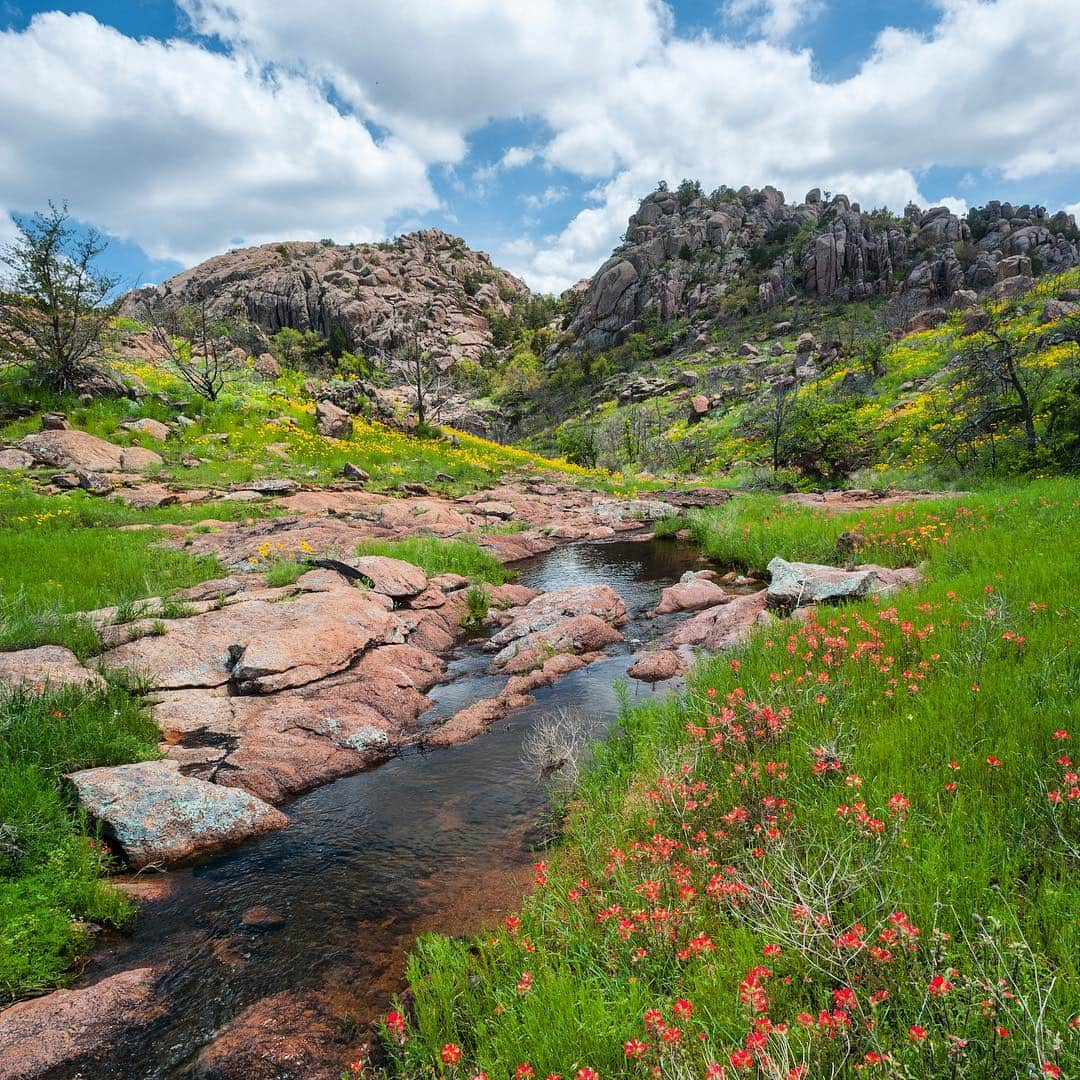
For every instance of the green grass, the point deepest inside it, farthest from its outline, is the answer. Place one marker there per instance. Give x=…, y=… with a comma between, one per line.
x=942, y=726
x=438, y=556
x=65, y=554
x=50, y=866
x=284, y=572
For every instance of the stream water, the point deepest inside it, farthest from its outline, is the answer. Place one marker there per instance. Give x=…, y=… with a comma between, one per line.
x=428, y=841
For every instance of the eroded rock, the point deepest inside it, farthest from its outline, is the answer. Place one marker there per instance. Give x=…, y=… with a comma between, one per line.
x=796, y=584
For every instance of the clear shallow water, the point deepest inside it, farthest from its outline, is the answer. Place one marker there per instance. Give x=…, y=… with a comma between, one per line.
x=427, y=841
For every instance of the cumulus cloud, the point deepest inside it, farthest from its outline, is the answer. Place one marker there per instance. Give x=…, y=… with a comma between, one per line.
x=956, y=205
x=329, y=118
x=184, y=150
x=775, y=19
x=1074, y=209
x=986, y=87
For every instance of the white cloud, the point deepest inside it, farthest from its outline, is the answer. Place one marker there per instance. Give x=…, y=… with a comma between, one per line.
x=776, y=19
x=548, y=197
x=432, y=72
x=8, y=232
x=957, y=205
x=181, y=149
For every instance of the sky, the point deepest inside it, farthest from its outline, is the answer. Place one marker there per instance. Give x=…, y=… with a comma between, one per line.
x=181, y=129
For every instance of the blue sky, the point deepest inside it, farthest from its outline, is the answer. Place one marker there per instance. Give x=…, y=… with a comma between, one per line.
x=182, y=129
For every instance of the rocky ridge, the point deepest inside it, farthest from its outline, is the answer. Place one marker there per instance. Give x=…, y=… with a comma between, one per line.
x=367, y=296
x=684, y=251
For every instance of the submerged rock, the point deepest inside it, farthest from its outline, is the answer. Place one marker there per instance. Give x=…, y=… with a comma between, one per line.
x=154, y=814
x=67, y=1031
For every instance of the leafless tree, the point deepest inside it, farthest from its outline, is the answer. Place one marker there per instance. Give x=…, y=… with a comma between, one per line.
x=781, y=407
x=195, y=346
x=55, y=304
x=417, y=369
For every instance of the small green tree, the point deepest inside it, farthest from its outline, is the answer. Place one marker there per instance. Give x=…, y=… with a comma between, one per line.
x=55, y=303
x=304, y=349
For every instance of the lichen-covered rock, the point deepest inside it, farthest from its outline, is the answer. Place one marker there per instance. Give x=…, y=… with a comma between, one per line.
x=154, y=814
x=796, y=584
x=332, y=421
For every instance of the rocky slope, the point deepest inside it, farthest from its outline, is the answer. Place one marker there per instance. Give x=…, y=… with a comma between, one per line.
x=685, y=252
x=364, y=295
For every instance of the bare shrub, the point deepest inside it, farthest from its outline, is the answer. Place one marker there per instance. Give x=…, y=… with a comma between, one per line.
x=558, y=746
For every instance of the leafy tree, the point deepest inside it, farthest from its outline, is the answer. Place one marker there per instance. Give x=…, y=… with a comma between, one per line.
x=54, y=301
x=823, y=438
x=305, y=349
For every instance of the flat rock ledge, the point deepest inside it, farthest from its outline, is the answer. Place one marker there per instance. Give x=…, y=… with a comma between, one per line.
x=65, y=1032
x=49, y=666
x=156, y=815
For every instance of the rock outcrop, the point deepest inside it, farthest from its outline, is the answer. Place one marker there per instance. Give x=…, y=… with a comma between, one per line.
x=367, y=296
x=67, y=1032
x=50, y=666
x=684, y=252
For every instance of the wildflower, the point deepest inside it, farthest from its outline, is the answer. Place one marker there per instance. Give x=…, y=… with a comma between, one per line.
x=588, y=1074
x=395, y=1024
x=993, y=762
x=1002, y=1033
x=917, y=1033
x=741, y=1059
x=682, y=1009
x=450, y=1054
x=635, y=1048
x=714, y=1071
x=1050, y=1069
x=1062, y=734
x=523, y=1072
x=357, y=1066
x=772, y=950
x=939, y=986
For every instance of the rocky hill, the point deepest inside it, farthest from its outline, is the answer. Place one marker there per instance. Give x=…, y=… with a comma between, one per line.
x=686, y=254
x=367, y=297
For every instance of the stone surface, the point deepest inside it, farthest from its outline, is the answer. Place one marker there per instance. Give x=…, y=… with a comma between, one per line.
x=48, y=665
x=15, y=459
x=81, y=450
x=692, y=594
x=723, y=627
x=578, y=634
x=257, y=646
x=332, y=421
x=796, y=584
x=293, y=1035
x=154, y=814
x=654, y=667
x=65, y=1033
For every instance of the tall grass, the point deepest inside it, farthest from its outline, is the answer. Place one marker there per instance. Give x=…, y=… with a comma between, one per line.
x=438, y=556
x=902, y=790
x=50, y=868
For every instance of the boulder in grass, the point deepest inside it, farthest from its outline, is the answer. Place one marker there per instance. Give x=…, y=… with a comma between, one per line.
x=154, y=814
x=796, y=584
x=81, y=450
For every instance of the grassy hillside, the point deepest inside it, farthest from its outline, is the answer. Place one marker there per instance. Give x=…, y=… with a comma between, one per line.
x=850, y=848
x=919, y=409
